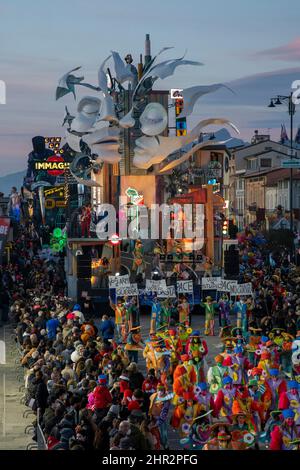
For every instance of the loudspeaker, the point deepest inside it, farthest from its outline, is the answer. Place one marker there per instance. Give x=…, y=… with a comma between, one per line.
x=231, y=262
x=84, y=267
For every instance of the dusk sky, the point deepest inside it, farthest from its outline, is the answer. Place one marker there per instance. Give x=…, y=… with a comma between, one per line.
x=254, y=46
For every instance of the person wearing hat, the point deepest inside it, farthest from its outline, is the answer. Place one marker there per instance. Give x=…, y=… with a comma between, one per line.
x=134, y=343
x=282, y=436
x=240, y=308
x=185, y=413
x=224, y=398
x=184, y=311
x=120, y=314
x=184, y=379
x=248, y=400
x=153, y=345
x=240, y=365
x=160, y=402
x=224, y=312
x=155, y=321
x=221, y=442
x=241, y=422
x=291, y=399
x=102, y=397
x=209, y=307
x=215, y=375
x=275, y=386
x=265, y=363
x=174, y=345
x=197, y=349
x=204, y=399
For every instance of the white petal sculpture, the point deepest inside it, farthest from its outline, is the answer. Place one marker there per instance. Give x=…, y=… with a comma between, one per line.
x=107, y=112
x=111, y=157
x=127, y=121
x=87, y=112
x=154, y=119
x=86, y=182
x=73, y=141
x=188, y=154
x=167, y=68
x=123, y=73
x=66, y=83
x=102, y=135
x=192, y=94
x=102, y=78
x=151, y=151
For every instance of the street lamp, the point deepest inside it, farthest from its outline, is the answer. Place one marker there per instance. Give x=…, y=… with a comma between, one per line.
x=291, y=110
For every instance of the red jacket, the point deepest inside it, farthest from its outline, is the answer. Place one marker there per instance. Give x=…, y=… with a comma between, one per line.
x=102, y=396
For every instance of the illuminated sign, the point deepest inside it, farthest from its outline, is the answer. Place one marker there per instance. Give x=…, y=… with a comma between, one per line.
x=176, y=93
x=53, y=143
x=58, y=190
x=181, y=128
x=54, y=165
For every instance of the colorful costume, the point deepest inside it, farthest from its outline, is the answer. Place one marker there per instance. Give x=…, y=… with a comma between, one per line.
x=209, y=307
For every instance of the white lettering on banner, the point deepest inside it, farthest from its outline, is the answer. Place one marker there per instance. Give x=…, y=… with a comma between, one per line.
x=167, y=292
x=225, y=285
x=210, y=283
x=153, y=286
x=241, y=289
x=118, y=281
x=132, y=289
x=185, y=287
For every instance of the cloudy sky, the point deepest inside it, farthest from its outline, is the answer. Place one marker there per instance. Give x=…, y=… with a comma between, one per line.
x=252, y=45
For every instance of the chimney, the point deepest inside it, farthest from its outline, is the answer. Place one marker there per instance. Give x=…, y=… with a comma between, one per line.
x=140, y=67
x=147, y=49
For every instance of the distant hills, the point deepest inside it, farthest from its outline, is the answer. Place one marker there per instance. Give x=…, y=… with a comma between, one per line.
x=14, y=179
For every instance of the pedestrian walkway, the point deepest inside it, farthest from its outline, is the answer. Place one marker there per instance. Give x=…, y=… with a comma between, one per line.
x=13, y=424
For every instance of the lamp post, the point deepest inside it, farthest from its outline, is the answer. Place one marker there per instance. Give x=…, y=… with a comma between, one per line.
x=291, y=110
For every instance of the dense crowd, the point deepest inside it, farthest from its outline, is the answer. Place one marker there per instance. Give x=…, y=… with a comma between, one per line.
x=83, y=376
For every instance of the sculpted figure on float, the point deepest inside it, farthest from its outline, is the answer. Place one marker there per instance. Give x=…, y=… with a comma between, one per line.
x=98, y=120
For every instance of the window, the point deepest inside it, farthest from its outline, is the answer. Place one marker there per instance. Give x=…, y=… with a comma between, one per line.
x=266, y=162
x=285, y=184
x=251, y=164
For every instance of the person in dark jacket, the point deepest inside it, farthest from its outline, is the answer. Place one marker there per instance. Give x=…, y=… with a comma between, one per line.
x=107, y=328
x=41, y=392
x=136, y=378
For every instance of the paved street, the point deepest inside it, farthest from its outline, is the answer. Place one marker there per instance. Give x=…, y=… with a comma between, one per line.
x=13, y=424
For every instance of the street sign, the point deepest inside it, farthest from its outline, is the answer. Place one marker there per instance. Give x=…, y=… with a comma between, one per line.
x=290, y=163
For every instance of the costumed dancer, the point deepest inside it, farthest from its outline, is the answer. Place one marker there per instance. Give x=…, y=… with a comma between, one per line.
x=224, y=399
x=184, y=311
x=209, y=307
x=215, y=375
x=133, y=312
x=275, y=386
x=185, y=413
x=160, y=402
x=197, y=349
x=120, y=315
x=174, y=345
x=205, y=399
x=224, y=311
x=134, y=343
x=286, y=436
x=155, y=316
x=240, y=308
x=291, y=399
x=184, y=378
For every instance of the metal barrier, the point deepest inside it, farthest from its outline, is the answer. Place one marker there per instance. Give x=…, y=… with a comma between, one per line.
x=40, y=438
